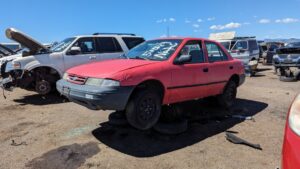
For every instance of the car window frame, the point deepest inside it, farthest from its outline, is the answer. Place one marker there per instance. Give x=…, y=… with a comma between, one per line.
x=247, y=49
x=75, y=41
x=115, y=42
x=220, y=50
x=200, y=42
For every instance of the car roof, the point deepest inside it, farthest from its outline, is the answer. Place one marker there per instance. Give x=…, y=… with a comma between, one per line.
x=181, y=38
x=109, y=35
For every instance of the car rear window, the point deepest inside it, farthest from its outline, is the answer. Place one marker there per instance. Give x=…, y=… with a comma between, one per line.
x=132, y=42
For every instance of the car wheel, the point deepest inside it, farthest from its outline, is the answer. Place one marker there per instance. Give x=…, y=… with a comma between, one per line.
x=117, y=118
x=227, y=98
x=144, y=108
x=43, y=87
x=176, y=127
x=287, y=79
x=171, y=113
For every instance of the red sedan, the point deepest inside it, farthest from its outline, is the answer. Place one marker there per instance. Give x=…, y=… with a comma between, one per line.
x=291, y=144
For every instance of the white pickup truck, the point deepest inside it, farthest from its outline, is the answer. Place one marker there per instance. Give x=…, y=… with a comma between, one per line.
x=39, y=68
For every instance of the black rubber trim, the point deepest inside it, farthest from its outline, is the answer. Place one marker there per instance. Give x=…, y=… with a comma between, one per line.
x=195, y=85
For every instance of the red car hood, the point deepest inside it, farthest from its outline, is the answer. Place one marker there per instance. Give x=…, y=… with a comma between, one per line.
x=105, y=69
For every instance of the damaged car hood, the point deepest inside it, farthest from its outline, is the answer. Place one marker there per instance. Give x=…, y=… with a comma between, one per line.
x=289, y=50
x=25, y=40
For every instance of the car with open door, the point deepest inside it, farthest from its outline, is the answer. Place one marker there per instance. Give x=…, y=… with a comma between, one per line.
x=155, y=73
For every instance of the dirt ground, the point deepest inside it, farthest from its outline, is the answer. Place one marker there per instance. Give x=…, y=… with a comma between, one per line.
x=50, y=133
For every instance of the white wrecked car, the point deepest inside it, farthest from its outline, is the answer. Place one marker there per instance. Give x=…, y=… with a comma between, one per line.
x=39, y=68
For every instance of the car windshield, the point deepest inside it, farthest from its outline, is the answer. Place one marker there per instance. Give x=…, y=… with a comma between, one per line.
x=226, y=45
x=154, y=50
x=62, y=45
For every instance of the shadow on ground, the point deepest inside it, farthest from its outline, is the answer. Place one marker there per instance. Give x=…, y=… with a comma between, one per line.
x=66, y=157
x=205, y=120
x=37, y=99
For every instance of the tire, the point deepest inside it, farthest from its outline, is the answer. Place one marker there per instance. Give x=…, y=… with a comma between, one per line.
x=117, y=118
x=144, y=108
x=171, y=113
x=172, y=128
x=287, y=79
x=228, y=97
x=43, y=87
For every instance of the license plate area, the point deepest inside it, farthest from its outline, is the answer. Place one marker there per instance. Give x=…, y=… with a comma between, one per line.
x=66, y=90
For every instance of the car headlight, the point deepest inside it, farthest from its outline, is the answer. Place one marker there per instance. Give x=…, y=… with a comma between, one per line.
x=102, y=82
x=16, y=65
x=294, y=117
x=65, y=76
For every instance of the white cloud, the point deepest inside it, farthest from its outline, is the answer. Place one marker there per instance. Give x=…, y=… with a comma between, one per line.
x=264, y=21
x=196, y=25
x=287, y=20
x=231, y=25
x=211, y=18
x=187, y=21
x=199, y=20
x=164, y=20
x=172, y=19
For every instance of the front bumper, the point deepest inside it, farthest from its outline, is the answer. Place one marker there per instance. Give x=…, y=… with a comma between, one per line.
x=286, y=64
x=96, y=98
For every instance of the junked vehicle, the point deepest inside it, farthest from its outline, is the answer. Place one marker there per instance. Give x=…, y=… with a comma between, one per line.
x=5, y=51
x=269, y=50
x=39, y=68
x=291, y=141
x=244, y=48
x=155, y=73
x=287, y=60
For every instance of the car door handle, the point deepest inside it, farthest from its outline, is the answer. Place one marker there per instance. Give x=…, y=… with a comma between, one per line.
x=92, y=57
x=205, y=70
x=230, y=67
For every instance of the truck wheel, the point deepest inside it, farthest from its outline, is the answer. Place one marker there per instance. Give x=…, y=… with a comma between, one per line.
x=227, y=98
x=144, y=108
x=43, y=87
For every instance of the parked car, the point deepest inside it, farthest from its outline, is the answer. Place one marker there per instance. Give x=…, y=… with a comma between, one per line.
x=288, y=56
x=40, y=67
x=155, y=73
x=269, y=50
x=4, y=51
x=291, y=141
x=245, y=49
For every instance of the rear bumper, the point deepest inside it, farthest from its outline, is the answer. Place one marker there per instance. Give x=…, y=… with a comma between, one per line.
x=96, y=98
x=286, y=64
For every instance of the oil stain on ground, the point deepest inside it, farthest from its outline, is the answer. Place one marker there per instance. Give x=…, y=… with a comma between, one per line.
x=66, y=157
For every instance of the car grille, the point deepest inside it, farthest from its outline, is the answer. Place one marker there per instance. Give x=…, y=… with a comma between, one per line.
x=76, y=79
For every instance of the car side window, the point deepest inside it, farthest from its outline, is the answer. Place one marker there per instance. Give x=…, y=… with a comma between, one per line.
x=108, y=45
x=240, y=45
x=193, y=48
x=87, y=45
x=132, y=42
x=215, y=53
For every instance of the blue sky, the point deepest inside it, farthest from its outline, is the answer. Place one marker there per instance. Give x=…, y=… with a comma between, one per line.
x=49, y=21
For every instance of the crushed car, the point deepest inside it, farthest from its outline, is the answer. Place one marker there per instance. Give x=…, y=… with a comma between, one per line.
x=39, y=68
x=155, y=73
x=243, y=48
x=287, y=61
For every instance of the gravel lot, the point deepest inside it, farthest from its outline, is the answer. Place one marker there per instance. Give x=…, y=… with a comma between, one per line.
x=49, y=133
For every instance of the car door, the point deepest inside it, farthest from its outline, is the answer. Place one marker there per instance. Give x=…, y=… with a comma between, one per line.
x=189, y=80
x=220, y=67
x=87, y=53
x=108, y=48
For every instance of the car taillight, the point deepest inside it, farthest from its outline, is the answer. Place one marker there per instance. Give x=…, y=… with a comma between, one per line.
x=294, y=117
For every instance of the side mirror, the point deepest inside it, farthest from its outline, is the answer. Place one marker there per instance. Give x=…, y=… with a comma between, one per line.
x=182, y=59
x=74, y=50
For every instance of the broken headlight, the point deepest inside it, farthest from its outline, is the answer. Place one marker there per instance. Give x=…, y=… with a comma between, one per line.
x=102, y=82
x=65, y=76
x=16, y=65
x=294, y=117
